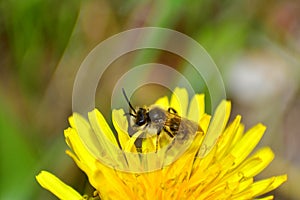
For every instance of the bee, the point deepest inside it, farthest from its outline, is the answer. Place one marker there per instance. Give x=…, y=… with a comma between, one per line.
x=154, y=120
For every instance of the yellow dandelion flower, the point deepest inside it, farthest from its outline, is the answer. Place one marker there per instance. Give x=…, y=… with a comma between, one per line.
x=216, y=164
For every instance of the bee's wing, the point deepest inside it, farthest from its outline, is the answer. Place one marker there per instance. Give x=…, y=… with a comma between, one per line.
x=216, y=127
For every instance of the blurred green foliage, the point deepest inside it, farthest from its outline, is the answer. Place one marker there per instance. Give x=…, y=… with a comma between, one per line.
x=17, y=156
x=35, y=34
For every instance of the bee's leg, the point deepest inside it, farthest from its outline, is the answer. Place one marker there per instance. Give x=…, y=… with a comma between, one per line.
x=172, y=109
x=168, y=132
x=145, y=127
x=157, y=138
x=129, y=114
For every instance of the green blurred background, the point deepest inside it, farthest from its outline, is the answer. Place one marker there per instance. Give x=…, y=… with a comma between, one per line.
x=255, y=44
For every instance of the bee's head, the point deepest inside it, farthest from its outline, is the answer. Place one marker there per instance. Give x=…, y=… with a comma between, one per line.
x=141, y=116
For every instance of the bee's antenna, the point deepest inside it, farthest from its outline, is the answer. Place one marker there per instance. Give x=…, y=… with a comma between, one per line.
x=124, y=93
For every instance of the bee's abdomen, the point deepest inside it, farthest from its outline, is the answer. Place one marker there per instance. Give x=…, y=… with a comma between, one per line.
x=181, y=126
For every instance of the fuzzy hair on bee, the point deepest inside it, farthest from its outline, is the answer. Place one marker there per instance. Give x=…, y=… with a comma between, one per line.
x=154, y=120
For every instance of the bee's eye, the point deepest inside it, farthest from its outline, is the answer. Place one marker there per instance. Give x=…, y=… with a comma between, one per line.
x=141, y=117
x=140, y=120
